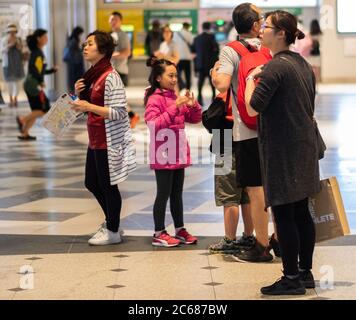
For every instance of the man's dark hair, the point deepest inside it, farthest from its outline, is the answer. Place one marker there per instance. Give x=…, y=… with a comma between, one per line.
x=117, y=14
x=244, y=16
x=104, y=42
x=186, y=25
x=206, y=25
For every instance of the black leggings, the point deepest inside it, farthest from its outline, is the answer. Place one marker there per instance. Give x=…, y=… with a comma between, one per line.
x=97, y=181
x=296, y=235
x=169, y=186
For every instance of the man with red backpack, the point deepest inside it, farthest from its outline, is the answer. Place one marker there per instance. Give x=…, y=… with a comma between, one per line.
x=237, y=59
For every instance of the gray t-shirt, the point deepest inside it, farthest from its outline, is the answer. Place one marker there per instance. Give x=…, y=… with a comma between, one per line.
x=122, y=42
x=229, y=64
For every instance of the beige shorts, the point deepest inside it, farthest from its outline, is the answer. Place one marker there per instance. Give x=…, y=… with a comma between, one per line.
x=227, y=194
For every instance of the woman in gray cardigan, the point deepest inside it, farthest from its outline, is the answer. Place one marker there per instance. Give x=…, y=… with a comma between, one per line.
x=284, y=99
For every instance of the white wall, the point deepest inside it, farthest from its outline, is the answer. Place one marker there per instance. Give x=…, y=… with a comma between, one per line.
x=336, y=67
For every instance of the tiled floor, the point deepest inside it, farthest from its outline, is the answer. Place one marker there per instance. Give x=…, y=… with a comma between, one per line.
x=47, y=216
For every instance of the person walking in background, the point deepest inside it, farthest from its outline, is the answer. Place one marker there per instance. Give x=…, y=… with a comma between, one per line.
x=1, y=99
x=309, y=47
x=207, y=53
x=168, y=49
x=12, y=61
x=314, y=58
x=120, y=56
x=153, y=38
x=285, y=99
x=166, y=115
x=34, y=83
x=73, y=57
x=111, y=154
x=184, y=41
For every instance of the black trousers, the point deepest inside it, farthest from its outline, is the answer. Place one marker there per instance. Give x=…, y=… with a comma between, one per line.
x=202, y=75
x=296, y=235
x=169, y=186
x=97, y=181
x=185, y=66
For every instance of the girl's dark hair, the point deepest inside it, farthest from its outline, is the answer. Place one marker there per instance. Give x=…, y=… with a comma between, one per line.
x=158, y=68
x=77, y=31
x=32, y=39
x=104, y=42
x=315, y=28
x=283, y=20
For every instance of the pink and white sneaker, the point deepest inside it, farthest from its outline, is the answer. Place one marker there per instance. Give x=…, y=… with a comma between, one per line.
x=185, y=237
x=165, y=240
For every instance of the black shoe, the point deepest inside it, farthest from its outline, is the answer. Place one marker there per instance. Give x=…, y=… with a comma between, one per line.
x=284, y=286
x=26, y=138
x=246, y=242
x=257, y=253
x=307, y=279
x=274, y=245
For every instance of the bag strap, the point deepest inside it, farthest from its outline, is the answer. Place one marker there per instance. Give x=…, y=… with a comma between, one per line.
x=242, y=48
x=184, y=39
x=303, y=82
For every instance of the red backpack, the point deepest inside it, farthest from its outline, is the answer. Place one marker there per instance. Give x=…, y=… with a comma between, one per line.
x=249, y=60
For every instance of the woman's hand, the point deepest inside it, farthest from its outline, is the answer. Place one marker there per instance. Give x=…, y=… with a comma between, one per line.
x=55, y=68
x=256, y=72
x=80, y=106
x=158, y=55
x=79, y=86
x=191, y=101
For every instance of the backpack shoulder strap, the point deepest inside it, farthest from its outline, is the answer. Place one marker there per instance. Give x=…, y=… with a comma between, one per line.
x=239, y=48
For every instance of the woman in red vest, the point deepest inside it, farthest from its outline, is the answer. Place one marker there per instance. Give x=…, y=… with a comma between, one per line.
x=111, y=154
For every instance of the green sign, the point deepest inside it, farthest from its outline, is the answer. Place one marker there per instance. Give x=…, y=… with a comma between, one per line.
x=172, y=16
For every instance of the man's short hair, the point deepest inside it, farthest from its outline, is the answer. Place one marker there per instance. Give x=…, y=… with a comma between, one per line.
x=186, y=25
x=206, y=25
x=117, y=14
x=244, y=16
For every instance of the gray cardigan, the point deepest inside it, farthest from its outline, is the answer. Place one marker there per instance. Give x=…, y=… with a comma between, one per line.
x=287, y=139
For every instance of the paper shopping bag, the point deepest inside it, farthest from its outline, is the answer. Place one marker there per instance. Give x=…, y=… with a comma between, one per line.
x=328, y=212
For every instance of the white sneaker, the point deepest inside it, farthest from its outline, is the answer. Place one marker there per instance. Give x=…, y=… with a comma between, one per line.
x=105, y=237
x=103, y=225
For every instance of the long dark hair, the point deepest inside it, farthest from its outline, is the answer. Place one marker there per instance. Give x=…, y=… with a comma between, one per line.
x=32, y=39
x=158, y=68
x=315, y=28
x=283, y=20
x=77, y=31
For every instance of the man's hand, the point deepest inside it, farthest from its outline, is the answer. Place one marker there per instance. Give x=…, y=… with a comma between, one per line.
x=215, y=69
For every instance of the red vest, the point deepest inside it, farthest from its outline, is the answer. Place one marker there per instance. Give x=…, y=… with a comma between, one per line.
x=96, y=123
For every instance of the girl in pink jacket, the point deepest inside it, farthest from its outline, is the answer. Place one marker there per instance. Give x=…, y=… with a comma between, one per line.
x=165, y=116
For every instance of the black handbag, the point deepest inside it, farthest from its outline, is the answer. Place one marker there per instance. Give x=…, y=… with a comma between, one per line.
x=214, y=120
x=321, y=146
x=215, y=116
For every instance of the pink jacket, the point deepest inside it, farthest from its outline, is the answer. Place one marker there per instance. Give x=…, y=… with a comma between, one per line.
x=169, y=147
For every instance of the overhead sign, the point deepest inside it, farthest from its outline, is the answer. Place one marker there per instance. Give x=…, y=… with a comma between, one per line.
x=259, y=3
